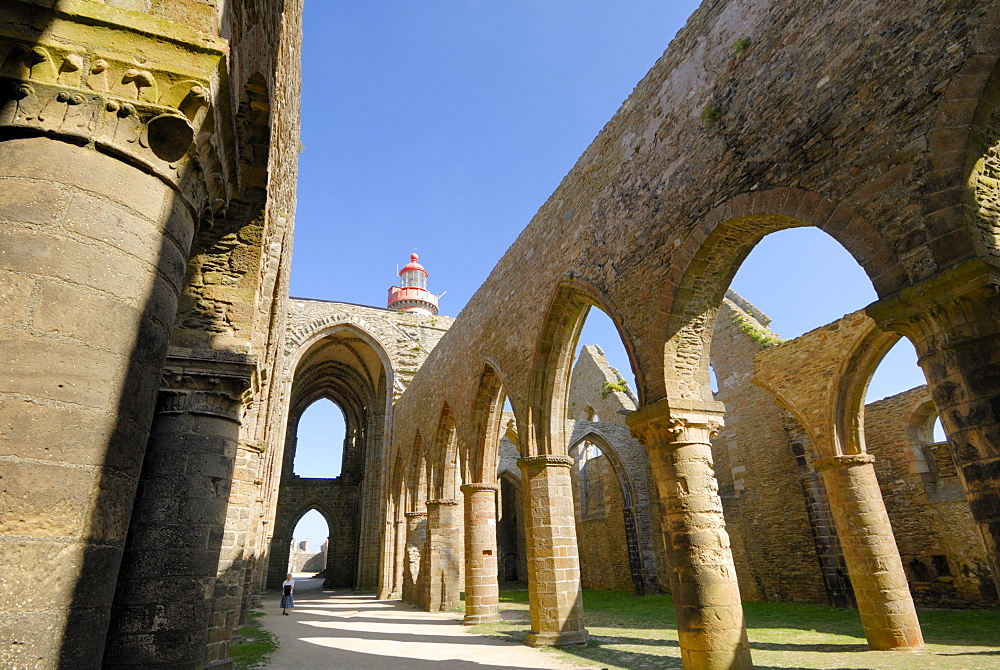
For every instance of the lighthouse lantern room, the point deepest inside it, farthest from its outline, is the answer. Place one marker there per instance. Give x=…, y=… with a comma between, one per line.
x=412, y=294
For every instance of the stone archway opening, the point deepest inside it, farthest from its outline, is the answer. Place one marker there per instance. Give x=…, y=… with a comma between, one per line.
x=319, y=441
x=344, y=367
x=310, y=543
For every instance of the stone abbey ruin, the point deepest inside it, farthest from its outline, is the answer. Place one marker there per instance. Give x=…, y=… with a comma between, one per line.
x=154, y=368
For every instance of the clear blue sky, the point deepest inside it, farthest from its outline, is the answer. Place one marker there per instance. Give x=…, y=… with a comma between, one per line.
x=442, y=127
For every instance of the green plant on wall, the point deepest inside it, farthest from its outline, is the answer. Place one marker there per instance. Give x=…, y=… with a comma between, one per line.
x=710, y=114
x=619, y=386
x=762, y=336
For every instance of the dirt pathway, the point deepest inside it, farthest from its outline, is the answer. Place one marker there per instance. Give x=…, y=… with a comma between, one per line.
x=341, y=630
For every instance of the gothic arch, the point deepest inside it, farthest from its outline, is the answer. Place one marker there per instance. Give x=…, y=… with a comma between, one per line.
x=486, y=425
x=553, y=363
x=446, y=477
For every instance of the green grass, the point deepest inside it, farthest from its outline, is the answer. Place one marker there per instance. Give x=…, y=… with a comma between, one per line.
x=630, y=633
x=256, y=644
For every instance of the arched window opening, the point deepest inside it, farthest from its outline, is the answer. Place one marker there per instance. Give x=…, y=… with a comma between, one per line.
x=319, y=441
x=802, y=279
x=590, y=482
x=938, y=434
x=310, y=541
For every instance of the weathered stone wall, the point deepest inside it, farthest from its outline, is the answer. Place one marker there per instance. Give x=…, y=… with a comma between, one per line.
x=595, y=387
x=943, y=556
x=759, y=478
x=140, y=114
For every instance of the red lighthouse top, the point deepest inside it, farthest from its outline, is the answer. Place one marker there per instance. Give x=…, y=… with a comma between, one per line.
x=413, y=265
x=412, y=294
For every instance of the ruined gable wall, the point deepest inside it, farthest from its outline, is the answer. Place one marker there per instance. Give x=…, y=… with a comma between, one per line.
x=759, y=478
x=406, y=339
x=591, y=374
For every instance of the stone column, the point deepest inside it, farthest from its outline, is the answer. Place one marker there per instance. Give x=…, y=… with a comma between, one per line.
x=554, y=590
x=413, y=563
x=98, y=206
x=953, y=320
x=482, y=592
x=443, y=555
x=873, y=562
x=167, y=582
x=398, y=565
x=703, y=579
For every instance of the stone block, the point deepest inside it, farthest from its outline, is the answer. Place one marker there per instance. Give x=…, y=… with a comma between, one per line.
x=30, y=201
x=15, y=297
x=44, y=159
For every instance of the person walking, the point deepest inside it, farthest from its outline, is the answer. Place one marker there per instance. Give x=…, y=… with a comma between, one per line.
x=287, y=600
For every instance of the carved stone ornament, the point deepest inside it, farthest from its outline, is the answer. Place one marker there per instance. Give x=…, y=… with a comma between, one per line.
x=545, y=461
x=947, y=307
x=153, y=110
x=662, y=424
x=843, y=461
x=211, y=383
x=442, y=502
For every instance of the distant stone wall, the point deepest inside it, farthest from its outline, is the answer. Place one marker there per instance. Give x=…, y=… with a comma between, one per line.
x=760, y=481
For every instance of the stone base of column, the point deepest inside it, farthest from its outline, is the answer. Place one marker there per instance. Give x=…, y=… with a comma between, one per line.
x=569, y=639
x=715, y=660
x=473, y=619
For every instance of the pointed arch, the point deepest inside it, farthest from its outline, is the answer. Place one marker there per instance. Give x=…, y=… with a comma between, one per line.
x=553, y=362
x=443, y=463
x=487, y=424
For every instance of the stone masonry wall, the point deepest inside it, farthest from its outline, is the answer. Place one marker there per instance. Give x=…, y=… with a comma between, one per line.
x=759, y=478
x=937, y=540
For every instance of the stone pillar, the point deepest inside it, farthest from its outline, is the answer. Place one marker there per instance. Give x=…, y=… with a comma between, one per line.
x=873, y=562
x=953, y=320
x=554, y=589
x=398, y=565
x=413, y=563
x=98, y=206
x=703, y=579
x=277, y=562
x=482, y=592
x=443, y=555
x=167, y=582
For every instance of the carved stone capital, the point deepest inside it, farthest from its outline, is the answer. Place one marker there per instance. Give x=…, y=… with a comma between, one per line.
x=843, y=461
x=415, y=515
x=444, y=502
x=213, y=383
x=127, y=84
x=953, y=305
x=474, y=488
x=663, y=424
x=544, y=461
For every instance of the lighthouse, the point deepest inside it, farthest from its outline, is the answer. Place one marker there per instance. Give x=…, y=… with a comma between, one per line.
x=412, y=295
